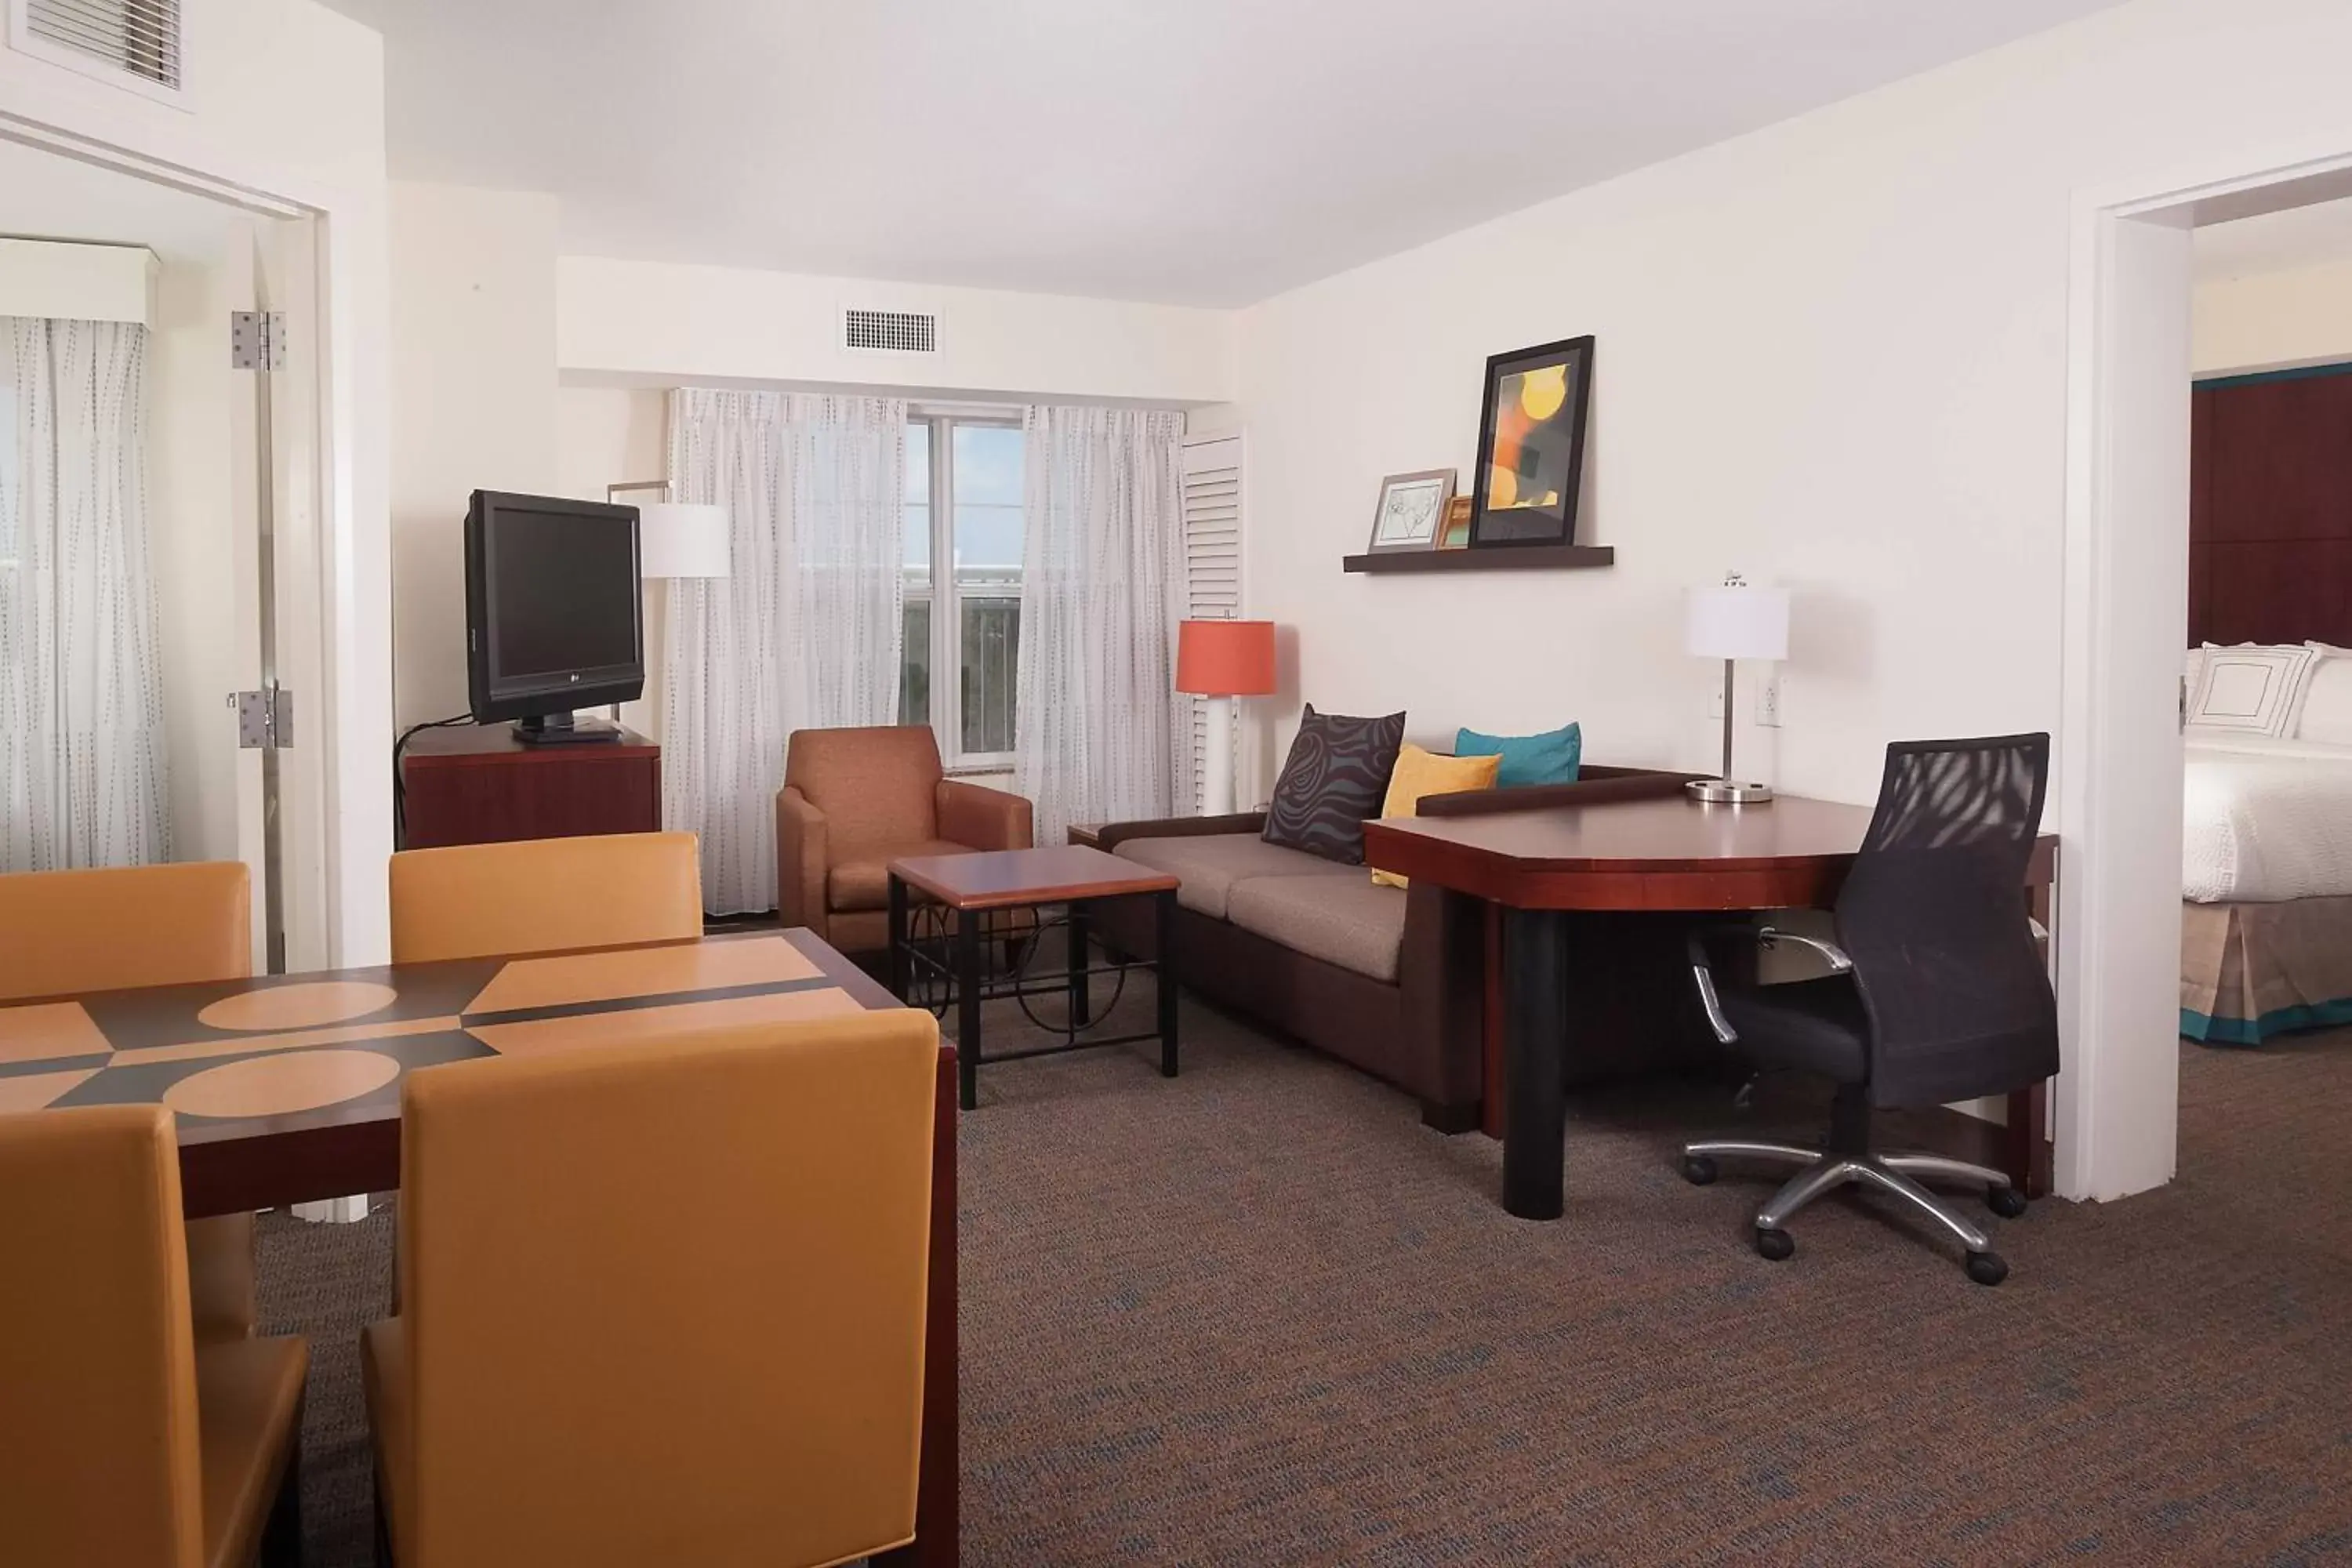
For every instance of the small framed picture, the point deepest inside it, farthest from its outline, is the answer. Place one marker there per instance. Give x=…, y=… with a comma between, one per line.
x=1455, y=532
x=1412, y=510
x=1531, y=444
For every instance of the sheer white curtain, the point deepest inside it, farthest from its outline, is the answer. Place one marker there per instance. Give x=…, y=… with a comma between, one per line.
x=1099, y=734
x=804, y=632
x=81, y=684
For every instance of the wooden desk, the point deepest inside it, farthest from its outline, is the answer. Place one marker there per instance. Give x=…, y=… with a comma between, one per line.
x=287, y=1086
x=1549, y=872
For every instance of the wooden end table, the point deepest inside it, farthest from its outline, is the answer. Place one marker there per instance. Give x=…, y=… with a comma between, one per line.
x=993, y=881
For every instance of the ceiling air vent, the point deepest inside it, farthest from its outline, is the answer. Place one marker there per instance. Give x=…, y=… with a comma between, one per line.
x=139, y=39
x=892, y=332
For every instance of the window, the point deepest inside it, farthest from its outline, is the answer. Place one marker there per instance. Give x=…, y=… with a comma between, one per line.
x=964, y=496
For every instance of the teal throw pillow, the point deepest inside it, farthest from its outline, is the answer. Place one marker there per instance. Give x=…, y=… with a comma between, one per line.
x=1547, y=759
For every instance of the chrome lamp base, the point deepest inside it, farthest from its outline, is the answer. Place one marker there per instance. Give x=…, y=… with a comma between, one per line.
x=1728, y=791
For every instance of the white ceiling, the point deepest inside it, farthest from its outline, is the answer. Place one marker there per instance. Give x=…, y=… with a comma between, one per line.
x=1207, y=152
x=2275, y=242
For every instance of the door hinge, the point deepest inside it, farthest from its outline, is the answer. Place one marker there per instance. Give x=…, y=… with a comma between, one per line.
x=265, y=719
x=257, y=340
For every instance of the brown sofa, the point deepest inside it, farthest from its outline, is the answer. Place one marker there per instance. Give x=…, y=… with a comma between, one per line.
x=1391, y=980
x=854, y=801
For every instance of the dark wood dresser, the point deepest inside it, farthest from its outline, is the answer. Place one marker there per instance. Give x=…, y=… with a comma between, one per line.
x=478, y=784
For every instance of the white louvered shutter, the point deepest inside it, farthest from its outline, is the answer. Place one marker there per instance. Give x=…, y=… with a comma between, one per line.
x=1212, y=554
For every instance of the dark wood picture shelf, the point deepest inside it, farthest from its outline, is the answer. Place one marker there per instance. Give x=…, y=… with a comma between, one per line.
x=1489, y=558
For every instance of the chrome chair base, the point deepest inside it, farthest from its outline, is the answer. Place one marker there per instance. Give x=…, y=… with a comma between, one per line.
x=1819, y=1171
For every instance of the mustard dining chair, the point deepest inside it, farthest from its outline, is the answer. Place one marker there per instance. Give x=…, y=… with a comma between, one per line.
x=125, y=1441
x=544, y=895
x=661, y=1304
x=62, y=933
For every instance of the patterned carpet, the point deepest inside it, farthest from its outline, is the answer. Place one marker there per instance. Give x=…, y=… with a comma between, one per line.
x=1260, y=1315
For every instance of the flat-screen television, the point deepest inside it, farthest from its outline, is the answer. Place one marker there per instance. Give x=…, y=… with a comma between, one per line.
x=551, y=612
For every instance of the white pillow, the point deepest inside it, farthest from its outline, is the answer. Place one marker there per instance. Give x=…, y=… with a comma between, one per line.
x=2255, y=689
x=2192, y=670
x=2327, y=700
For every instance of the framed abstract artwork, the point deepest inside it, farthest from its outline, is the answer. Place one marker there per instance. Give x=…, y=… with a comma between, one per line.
x=1412, y=510
x=1531, y=444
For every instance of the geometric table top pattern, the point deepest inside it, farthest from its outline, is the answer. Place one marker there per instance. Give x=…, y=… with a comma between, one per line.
x=274, y=1053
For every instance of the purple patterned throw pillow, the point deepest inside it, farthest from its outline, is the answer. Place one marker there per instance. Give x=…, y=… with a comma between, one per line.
x=1336, y=776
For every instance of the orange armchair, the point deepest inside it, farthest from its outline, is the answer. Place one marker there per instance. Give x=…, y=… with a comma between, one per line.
x=856, y=799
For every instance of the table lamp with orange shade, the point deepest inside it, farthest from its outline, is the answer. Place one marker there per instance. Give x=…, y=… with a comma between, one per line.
x=1222, y=660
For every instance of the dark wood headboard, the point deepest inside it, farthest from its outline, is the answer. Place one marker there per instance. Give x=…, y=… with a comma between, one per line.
x=2270, y=508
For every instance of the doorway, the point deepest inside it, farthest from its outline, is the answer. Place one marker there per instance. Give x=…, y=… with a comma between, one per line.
x=2126, y=616
x=207, y=522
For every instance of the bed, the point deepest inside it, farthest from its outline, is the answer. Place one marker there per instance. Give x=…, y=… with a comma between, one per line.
x=2266, y=847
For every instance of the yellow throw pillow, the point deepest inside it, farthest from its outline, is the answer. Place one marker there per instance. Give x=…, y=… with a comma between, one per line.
x=1420, y=772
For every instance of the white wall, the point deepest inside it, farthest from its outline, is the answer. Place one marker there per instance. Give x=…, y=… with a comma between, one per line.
x=2273, y=319
x=286, y=99
x=607, y=436
x=677, y=324
x=473, y=407
x=1831, y=353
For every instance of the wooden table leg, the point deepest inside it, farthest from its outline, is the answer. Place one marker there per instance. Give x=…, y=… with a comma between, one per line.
x=1163, y=978
x=1534, y=1031
x=937, y=1519
x=2025, y=1144
x=968, y=997
x=896, y=938
x=1082, y=1003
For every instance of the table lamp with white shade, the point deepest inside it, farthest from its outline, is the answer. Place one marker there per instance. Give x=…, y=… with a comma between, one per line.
x=1736, y=621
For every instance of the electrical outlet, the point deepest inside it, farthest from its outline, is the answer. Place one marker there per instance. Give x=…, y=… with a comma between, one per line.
x=1768, y=702
x=1715, y=704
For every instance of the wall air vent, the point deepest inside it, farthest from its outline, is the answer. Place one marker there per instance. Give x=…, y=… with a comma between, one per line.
x=891, y=331
x=139, y=40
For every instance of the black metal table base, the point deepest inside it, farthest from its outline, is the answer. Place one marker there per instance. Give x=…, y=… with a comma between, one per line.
x=946, y=965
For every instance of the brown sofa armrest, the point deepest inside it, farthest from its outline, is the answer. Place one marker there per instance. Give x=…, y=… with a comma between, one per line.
x=983, y=819
x=1111, y=835
x=801, y=861
x=1592, y=788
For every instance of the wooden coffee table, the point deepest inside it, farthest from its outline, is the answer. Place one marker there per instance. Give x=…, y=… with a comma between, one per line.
x=977, y=886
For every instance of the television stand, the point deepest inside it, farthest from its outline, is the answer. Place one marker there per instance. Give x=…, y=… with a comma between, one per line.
x=481, y=784
x=565, y=729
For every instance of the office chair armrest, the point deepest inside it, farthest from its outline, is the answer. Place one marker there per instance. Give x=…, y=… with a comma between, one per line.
x=1830, y=952
x=1702, y=964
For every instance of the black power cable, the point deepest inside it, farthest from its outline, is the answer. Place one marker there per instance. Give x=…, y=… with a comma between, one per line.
x=399, y=790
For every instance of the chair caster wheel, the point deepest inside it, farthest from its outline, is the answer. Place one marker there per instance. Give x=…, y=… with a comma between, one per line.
x=2006, y=1202
x=1987, y=1268
x=1777, y=1245
x=1697, y=1170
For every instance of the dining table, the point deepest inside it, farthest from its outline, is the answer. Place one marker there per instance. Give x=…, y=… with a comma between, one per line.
x=286, y=1088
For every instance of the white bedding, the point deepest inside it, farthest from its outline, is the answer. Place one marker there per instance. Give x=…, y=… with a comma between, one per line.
x=2265, y=820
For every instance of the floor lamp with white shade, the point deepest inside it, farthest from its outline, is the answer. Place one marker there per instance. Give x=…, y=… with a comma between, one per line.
x=677, y=539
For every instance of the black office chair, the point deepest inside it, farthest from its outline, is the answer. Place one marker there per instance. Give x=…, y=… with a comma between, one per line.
x=1937, y=990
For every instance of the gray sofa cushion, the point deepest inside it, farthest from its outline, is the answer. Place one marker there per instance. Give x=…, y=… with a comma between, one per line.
x=1207, y=864
x=1345, y=920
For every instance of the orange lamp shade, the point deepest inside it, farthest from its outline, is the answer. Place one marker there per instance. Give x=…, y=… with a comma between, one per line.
x=1225, y=659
